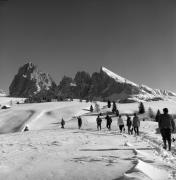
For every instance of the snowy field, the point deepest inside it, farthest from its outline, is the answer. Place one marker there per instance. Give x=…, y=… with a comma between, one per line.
x=49, y=152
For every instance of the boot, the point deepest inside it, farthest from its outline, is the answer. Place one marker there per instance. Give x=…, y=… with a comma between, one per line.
x=165, y=145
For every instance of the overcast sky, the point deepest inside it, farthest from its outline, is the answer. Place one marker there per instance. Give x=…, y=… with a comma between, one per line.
x=134, y=38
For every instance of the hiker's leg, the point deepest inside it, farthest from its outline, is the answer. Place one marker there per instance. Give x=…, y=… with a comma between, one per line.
x=137, y=130
x=168, y=135
x=128, y=129
x=163, y=134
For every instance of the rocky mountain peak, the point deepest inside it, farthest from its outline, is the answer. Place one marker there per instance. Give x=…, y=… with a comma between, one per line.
x=29, y=81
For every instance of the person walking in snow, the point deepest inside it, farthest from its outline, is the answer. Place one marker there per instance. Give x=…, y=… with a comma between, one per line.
x=136, y=124
x=62, y=123
x=108, y=121
x=99, y=121
x=166, y=126
x=129, y=124
x=79, y=122
x=120, y=123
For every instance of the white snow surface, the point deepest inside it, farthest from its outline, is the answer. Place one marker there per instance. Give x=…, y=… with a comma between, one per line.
x=47, y=151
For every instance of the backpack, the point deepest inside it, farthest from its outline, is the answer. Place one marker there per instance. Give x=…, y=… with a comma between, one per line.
x=99, y=120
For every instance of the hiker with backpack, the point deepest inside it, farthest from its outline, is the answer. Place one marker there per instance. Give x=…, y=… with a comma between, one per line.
x=79, y=122
x=62, y=123
x=129, y=124
x=166, y=126
x=99, y=121
x=136, y=124
x=120, y=123
x=108, y=121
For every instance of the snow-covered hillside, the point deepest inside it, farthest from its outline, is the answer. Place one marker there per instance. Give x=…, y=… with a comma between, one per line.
x=47, y=151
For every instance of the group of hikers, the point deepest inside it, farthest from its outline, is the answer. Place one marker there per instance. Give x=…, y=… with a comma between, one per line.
x=131, y=124
x=79, y=122
x=165, y=122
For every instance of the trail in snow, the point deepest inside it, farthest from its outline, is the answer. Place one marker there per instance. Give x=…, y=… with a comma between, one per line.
x=146, y=167
x=97, y=155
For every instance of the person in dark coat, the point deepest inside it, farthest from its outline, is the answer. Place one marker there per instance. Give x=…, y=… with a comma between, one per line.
x=136, y=124
x=79, y=122
x=62, y=123
x=99, y=121
x=166, y=126
x=117, y=112
x=129, y=124
x=108, y=121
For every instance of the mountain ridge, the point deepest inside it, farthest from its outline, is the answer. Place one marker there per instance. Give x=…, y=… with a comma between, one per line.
x=146, y=92
x=102, y=85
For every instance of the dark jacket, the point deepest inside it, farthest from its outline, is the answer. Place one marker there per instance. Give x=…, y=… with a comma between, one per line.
x=99, y=120
x=129, y=123
x=166, y=121
x=109, y=119
x=136, y=121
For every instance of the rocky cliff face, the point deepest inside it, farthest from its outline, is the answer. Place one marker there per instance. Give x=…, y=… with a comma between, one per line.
x=106, y=85
x=103, y=85
x=134, y=91
x=30, y=81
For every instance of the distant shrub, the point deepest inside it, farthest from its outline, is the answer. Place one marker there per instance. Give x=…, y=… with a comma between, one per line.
x=141, y=108
x=157, y=115
x=109, y=104
x=91, y=108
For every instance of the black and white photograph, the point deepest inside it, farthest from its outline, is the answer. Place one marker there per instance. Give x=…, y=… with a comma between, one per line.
x=87, y=90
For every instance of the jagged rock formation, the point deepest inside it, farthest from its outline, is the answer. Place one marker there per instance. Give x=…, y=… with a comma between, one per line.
x=103, y=85
x=106, y=85
x=30, y=81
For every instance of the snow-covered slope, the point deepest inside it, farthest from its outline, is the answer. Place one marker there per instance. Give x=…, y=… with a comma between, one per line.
x=49, y=152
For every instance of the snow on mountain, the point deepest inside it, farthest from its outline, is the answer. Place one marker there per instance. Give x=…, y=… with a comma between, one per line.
x=148, y=89
x=145, y=92
x=2, y=93
x=117, y=77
